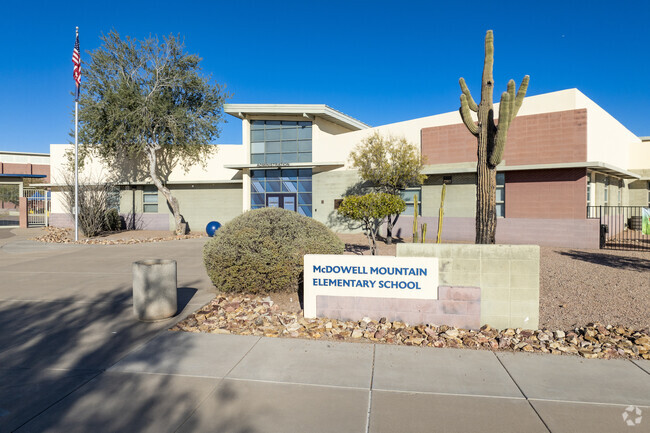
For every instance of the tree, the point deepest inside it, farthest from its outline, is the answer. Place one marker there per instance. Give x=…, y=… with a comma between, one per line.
x=491, y=138
x=390, y=165
x=371, y=211
x=95, y=215
x=147, y=100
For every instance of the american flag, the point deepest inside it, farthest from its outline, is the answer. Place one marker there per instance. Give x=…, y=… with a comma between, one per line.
x=76, y=72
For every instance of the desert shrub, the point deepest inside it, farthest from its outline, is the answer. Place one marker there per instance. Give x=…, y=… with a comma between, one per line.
x=112, y=222
x=262, y=250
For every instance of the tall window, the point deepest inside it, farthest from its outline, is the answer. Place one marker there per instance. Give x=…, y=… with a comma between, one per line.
x=280, y=185
x=606, y=192
x=620, y=192
x=408, y=195
x=501, y=195
x=275, y=141
x=150, y=199
x=113, y=199
x=588, y=189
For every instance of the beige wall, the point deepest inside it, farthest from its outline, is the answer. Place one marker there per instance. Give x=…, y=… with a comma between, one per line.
x=638, y=193
x=327, y=187
x=460, y=196
x=201, y=204
x=213, y=171
x=640, y=155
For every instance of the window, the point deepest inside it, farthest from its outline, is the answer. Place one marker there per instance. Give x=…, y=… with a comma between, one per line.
x=501, y=195
x=606, y=191
x=113, y=199
x=588, y=189
x=277, y=142
x=290, y=184
x=408, y=195
x=620, y=192
x=150, y=199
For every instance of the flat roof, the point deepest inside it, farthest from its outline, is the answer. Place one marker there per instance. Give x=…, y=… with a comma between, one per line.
x=7, y=152
x=593, y=165
x=306, y=110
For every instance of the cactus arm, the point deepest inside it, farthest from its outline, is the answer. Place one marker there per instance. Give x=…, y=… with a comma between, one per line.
x=466, y=115
x=511, y=99
x=468, y=95
x=521, y=94
x=505, y=117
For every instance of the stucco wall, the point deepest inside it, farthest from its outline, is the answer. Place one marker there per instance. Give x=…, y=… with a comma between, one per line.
x=609, y=140
x=327, y=187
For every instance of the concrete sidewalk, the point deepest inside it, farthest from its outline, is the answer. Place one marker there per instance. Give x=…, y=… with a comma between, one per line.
x=73, y=358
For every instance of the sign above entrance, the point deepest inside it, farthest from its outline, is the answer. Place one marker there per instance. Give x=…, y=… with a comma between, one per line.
x=368, y=276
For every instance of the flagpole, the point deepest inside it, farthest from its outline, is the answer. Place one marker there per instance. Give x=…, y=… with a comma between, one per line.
x=76, y=163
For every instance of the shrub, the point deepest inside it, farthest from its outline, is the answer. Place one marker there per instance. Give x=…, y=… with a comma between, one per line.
x=112, y=222
x=262, y=250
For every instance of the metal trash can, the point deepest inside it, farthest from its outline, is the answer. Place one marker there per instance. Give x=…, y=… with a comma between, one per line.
x=154, y=289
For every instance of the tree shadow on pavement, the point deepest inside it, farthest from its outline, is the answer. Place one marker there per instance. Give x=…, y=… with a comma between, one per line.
x=53, y=357
x=610, y=260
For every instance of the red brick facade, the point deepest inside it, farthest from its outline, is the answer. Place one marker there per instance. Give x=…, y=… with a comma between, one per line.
x=545, y=138
x=552, y=194
x=14, y=168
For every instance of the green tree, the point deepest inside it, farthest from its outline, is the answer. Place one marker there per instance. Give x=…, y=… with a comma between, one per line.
x=371, y=210
x=144, y=101
x=390, y=164
x=491, y=138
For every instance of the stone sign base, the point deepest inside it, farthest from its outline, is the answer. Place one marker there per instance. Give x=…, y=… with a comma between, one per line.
x=455, y=306
x=507, y=275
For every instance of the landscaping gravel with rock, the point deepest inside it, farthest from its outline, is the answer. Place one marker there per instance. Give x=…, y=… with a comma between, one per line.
x=66, y=236
x=250, y=315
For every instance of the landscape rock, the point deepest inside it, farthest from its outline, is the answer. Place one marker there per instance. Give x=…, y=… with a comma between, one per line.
x=251, y=315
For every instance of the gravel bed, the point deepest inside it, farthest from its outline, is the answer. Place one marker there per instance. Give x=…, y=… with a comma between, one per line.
x=582, y=286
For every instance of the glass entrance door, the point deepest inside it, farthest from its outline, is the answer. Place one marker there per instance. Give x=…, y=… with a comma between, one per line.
x=285, y=201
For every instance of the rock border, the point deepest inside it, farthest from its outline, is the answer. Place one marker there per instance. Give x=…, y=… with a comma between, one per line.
x=59, y=235
x=253, y=315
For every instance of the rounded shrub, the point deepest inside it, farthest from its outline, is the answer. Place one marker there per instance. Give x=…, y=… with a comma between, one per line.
x=262, y=250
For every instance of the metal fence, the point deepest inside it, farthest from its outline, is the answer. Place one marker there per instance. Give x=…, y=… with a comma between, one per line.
x=38, y=206
x=621, y=227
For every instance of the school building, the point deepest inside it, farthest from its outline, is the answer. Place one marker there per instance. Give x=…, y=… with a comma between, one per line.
x=564, y=153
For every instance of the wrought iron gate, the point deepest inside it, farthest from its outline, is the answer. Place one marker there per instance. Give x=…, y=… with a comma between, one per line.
x=38, y=206
x=621, y=227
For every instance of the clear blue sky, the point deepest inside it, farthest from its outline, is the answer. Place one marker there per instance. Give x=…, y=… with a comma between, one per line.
x=379, y=62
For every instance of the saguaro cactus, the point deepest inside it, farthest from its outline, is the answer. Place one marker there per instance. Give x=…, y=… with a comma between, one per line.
x=491, y=138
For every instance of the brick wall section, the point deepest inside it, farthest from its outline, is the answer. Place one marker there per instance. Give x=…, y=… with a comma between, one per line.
x=13, y=168
x=42, y=169
x=556, y=194
x=455, y=306
x=536, y=139
x=22, y=212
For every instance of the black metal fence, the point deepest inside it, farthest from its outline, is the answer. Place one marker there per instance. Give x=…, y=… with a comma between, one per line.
x=621, y=227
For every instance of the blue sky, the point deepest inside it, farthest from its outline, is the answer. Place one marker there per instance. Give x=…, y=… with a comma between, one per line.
x=379, y=62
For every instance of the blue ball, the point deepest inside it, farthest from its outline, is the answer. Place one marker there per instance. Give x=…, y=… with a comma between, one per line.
x=212, y=227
